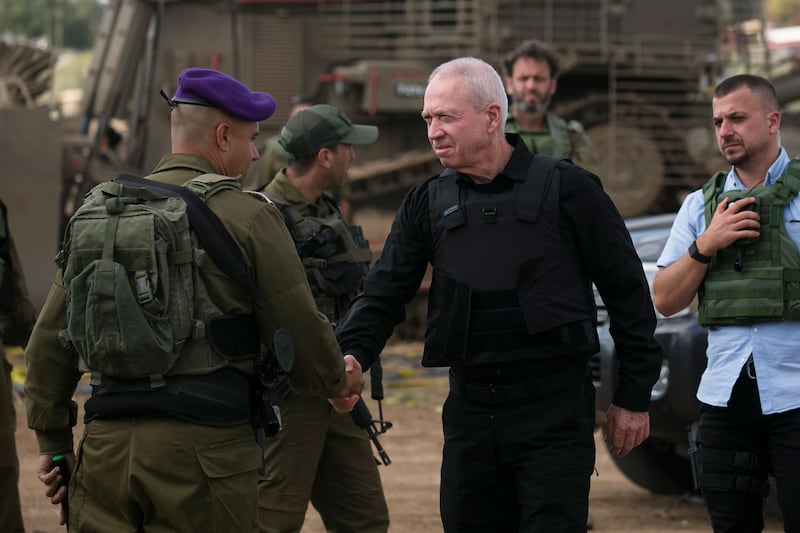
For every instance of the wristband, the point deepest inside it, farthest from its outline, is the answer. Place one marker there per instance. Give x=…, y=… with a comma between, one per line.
x=695, y=254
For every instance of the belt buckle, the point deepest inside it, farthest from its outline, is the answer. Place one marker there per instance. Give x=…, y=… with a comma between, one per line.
x=495, y=395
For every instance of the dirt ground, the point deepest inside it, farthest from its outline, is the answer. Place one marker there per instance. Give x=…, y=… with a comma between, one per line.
x=413, y=399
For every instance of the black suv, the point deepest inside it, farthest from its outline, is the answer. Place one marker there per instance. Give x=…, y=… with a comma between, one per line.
x=661, y=463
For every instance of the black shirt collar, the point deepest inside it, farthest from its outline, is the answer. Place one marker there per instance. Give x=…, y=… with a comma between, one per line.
x=517, y=166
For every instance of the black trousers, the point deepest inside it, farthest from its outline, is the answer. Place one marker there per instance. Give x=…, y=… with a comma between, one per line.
x=519, y=465
x=773, y=439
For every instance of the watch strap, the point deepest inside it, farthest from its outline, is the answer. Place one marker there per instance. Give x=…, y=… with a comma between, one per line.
x=695, y=254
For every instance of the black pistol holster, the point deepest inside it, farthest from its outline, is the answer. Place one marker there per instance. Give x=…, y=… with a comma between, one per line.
x=715, y=469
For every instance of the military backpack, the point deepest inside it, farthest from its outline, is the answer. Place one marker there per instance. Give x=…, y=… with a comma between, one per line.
x=135, y=299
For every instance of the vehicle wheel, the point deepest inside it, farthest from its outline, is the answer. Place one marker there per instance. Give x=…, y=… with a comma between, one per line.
x=633, y=168
x=655, y=466
x=632, y=171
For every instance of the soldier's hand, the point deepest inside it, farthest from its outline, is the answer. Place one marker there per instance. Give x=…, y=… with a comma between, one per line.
x=355, y=384
x=626, y=429
x=51, y=477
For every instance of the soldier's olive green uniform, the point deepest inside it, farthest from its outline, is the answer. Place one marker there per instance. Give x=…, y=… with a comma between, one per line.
x=162, y=473
x=320, y=455
x=560, y=139
x=17, y=315
x=273, y=159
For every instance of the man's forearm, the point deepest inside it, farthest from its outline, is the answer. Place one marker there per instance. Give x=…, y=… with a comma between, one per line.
x=675, y=286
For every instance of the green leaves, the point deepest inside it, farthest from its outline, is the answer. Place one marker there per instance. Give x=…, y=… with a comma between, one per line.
x=62, y=23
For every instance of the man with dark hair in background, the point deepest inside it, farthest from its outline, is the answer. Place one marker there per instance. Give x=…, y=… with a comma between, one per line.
x=531, y=78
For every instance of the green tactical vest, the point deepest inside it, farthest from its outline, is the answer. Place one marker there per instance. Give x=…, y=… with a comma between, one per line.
x=335, y=255
x=137, y=306
x=559, y=140
x=766, y=288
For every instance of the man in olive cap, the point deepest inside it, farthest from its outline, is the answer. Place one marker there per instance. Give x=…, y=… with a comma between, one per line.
x=180, y=455
x=321, y=455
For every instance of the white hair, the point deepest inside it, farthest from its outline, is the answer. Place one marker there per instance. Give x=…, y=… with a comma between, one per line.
x=481, y=80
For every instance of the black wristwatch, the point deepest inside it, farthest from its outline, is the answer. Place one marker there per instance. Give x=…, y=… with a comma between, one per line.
x=695, y=254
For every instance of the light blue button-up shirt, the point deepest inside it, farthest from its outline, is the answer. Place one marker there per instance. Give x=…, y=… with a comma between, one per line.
x=775, y=345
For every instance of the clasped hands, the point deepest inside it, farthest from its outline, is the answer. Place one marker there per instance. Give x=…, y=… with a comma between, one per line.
x=355, y=384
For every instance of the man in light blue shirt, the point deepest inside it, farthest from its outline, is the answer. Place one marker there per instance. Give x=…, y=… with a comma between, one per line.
x=746, y=273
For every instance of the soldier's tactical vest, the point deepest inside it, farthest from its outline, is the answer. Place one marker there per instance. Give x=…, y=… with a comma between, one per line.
x=336, y=256
x=559, y=141
x=757, y=280
x=506, y=285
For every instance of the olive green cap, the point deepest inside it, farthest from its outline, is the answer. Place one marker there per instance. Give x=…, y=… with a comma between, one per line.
x=322, y=126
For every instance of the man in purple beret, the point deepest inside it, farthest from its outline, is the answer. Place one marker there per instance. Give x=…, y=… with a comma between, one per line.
x=180, y=454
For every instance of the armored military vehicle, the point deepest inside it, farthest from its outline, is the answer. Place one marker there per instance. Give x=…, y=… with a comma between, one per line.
x=636, y=74
x=30, y=155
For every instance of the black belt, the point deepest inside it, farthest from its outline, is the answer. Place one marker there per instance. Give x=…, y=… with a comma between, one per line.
x=219, y=399
x=509, y=392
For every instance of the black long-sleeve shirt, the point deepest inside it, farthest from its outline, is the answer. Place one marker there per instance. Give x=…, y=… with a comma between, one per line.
x=590, y=223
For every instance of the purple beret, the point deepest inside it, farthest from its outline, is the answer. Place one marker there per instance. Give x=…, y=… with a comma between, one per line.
x=202, y=86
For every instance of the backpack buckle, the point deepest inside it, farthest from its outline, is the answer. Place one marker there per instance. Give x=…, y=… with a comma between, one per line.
x=144, y=293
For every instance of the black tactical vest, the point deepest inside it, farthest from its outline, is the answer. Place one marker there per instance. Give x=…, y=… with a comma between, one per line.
x=506, y=285
x=336, y=256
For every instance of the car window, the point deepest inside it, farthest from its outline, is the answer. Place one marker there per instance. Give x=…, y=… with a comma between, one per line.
x=649, y=247
x=649, y=234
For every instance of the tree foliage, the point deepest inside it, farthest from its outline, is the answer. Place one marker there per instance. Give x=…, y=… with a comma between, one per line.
x=782, y=12
x=67, y=23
